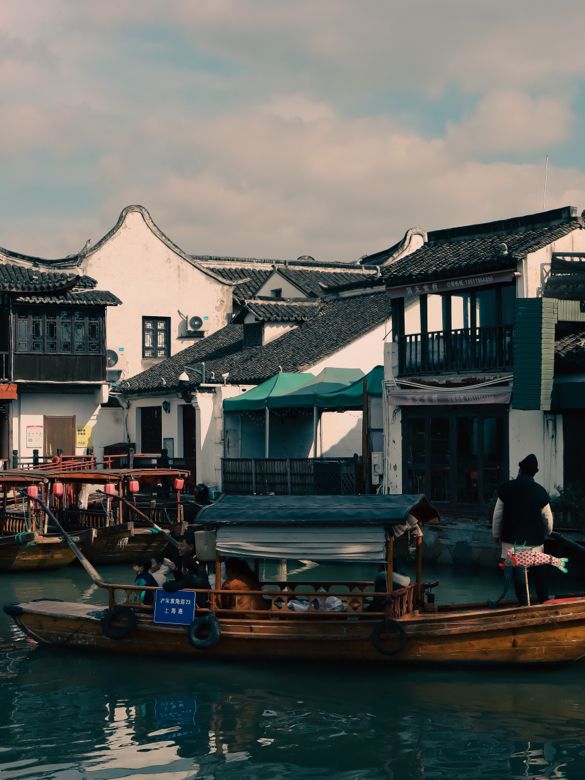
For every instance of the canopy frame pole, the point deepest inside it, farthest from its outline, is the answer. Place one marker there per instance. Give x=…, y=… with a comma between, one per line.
x=418, y=565
x=315, y=426
x=266, y=433
x=389, y=561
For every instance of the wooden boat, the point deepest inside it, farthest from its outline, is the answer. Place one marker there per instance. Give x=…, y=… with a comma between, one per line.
x=25, y=544
x=99, y=507
x=341, y=621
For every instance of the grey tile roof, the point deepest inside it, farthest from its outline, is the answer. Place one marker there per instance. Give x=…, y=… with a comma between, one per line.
x=310, y=276
x=478, y=248
x=17, y=278
x=75, y=298
x=281, y=311
x=340, y=321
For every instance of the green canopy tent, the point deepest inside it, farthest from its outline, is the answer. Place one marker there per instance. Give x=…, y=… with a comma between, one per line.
x=329, y=380
x=352, y=396
x=258, y=397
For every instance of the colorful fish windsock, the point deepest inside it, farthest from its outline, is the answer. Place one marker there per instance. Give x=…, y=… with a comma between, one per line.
x=527, y=558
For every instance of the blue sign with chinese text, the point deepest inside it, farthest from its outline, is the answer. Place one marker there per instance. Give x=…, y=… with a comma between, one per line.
x=176, y=609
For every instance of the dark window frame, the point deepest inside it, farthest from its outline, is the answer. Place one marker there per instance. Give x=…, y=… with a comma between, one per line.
x=59, y=332
x=156, y=322
x=452, y=414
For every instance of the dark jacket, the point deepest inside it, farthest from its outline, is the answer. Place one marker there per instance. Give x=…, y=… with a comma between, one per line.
x=197, y=580
x=523, y=499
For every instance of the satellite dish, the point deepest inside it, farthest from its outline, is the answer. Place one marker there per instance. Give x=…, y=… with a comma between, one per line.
x=195, y=323
x=111, y=358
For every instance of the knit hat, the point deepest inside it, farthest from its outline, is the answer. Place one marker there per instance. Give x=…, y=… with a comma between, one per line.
x=529, y=465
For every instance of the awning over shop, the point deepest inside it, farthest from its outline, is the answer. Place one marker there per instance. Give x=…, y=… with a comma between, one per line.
x=352, y=397
x=568, y=392
x=256, y=399
x=316, y=544
x=328, y=381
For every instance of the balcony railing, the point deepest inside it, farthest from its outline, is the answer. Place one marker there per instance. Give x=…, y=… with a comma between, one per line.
x=465, y=349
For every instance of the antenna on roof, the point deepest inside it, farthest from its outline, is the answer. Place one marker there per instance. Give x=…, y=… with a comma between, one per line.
x=545, y=183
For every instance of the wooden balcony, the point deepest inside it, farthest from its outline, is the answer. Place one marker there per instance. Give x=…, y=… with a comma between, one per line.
x=456, y=351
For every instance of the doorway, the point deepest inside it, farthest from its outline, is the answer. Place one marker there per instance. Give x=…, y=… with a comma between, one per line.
x=150, y=429
x=58, y=435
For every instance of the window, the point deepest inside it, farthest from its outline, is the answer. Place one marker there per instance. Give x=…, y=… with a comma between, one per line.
x=156, y=341
x=457, y=455
x=59, y=333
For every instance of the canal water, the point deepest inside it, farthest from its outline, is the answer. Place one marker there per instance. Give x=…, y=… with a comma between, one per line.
x=70, y=715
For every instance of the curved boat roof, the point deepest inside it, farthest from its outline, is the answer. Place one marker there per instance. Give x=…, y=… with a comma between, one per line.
x=381, y=510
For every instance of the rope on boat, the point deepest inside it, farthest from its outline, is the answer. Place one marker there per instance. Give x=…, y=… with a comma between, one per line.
x=507, y=581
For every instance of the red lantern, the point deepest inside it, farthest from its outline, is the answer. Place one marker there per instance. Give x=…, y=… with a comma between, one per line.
x=110, y=489
x=179, y=483
x=32, y=491
x=133, y=486
x=57, y=489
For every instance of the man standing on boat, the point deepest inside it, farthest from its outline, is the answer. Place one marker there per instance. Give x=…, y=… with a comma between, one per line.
x=522, y=519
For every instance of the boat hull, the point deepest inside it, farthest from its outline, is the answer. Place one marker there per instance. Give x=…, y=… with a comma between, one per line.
x=540, y=634
x=42, y=554
x=119, y=544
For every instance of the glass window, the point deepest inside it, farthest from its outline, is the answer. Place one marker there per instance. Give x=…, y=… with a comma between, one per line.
x=65, y=334
x=51, y=333
x=156, y=337
x=80, y=334
x=37, y=330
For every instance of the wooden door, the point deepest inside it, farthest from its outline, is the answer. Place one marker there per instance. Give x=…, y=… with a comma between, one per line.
x=59, y=434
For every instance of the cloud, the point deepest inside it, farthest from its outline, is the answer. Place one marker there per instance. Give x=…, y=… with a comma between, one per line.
x=510, y=121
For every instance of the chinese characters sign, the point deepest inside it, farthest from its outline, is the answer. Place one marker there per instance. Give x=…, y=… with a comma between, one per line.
x=176, y=609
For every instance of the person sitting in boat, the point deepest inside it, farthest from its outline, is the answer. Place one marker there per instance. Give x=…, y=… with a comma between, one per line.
x=141, y=567
x=161, y=568
x=241, y=577
x=523, y=519
x=190, y=573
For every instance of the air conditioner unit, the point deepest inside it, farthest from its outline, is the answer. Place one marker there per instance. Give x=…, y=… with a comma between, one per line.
x=116, y=366
x=193, y=326
x=377, y=461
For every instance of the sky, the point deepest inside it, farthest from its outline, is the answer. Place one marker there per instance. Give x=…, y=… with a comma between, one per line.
x=280, y=128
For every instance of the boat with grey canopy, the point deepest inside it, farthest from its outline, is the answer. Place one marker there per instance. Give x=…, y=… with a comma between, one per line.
x=350, y=620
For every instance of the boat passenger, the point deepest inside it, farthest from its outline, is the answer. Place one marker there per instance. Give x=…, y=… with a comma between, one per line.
x=241, y=577
x=141, y=567
x=522, y=519
x=161, y=568
x=192, y=575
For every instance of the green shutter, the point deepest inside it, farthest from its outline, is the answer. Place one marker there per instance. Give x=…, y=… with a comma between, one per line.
x=534, y=352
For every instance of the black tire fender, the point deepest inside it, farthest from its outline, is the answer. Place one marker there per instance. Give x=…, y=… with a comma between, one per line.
x=118, y=622
x=389, y=626
x=208, y=625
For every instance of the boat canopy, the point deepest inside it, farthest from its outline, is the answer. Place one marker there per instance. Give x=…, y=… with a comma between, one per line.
x=347, y=543
x=257, y=398
x=352, y=397
x=327, y=511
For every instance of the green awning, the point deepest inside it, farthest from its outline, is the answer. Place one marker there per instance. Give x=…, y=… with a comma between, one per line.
x=329, y=380
x=256, y=398
x=352, y=397
x=568, y=393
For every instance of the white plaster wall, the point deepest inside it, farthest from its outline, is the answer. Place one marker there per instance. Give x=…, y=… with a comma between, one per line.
x=30, y=409
x=275, y=282
x=364, y=353
x=109, y=428
x=272, y=332
x=542, y=434
x=411, y=315
x=152, y=280
x=340, y=434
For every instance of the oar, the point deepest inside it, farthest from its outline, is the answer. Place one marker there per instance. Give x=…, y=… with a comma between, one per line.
x=569, y=542
x=143, y=516
x=89, y=568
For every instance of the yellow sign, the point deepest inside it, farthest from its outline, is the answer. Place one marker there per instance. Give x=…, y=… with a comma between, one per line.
x=82, y=436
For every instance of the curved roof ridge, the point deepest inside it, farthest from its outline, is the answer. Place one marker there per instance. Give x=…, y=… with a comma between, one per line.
x=322, y=265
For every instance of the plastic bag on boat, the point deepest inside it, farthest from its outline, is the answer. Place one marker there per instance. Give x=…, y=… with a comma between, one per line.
x=334, y=604
x=299, y=605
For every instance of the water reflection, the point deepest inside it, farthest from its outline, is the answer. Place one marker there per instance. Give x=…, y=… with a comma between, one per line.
x=92, y=716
